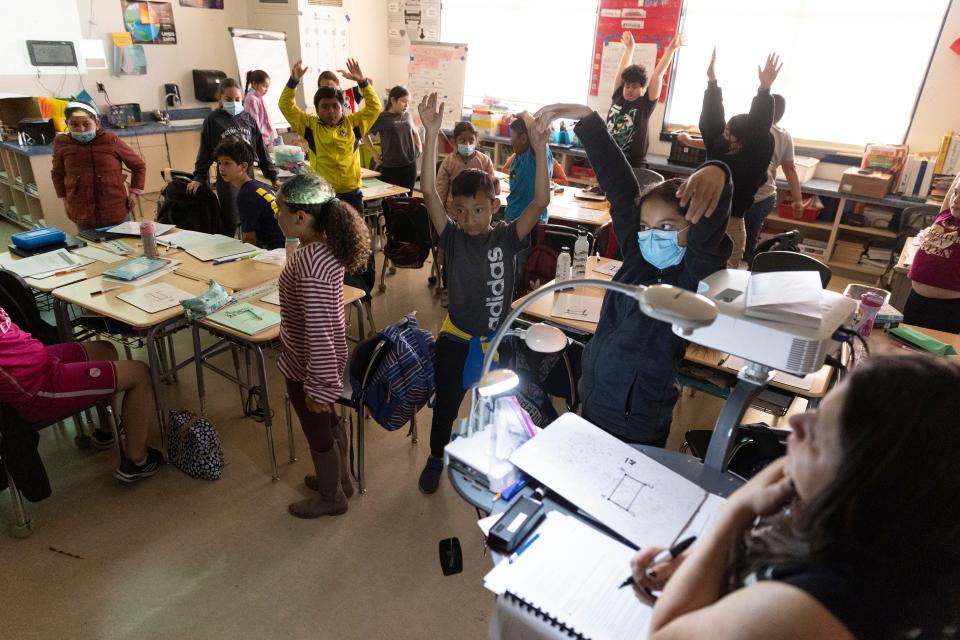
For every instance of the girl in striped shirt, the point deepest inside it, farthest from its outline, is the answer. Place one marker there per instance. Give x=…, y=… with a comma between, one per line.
x=333, y=239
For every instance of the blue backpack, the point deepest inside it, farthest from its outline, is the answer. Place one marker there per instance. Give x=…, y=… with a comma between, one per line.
x=392, y=373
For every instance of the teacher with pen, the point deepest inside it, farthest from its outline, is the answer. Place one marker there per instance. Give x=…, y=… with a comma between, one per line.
x=855, y=533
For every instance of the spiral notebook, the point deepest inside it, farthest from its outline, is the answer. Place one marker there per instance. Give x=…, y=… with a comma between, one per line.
x=569, y=578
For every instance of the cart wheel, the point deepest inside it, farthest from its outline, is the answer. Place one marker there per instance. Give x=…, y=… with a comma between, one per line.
x=21, y=530
x=382, y=287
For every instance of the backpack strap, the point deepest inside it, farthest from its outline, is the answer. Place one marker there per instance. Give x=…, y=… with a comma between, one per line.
x=424, y=350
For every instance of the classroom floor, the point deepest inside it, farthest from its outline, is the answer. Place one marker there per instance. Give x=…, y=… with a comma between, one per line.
x=173, y=557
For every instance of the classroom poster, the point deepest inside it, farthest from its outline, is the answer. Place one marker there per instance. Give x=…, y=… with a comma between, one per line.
x=202, y=4
x=411, y=21
x=440, y=67
x=324, y=43
x=652, y=22
x=149, y=22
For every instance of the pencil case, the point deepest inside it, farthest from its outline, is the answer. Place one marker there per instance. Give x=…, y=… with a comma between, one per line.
x=37, y=238
x=922, y=341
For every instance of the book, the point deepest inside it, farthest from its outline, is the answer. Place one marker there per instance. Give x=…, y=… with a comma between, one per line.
x=245, y=318
x=927, y=181
x=136, y=268
x=132, y=228
x=793, y=297
x=942, y=153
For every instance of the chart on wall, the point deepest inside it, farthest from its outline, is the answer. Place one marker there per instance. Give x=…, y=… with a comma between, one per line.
x=324, y=43
x=149, y=22
x=266, y=50
x=411, y=21
x=653, y=24
x=440, y=67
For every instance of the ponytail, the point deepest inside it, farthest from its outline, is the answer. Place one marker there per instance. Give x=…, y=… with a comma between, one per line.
x=255, y=76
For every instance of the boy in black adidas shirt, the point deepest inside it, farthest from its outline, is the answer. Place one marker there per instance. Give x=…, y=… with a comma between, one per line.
x=256, y=202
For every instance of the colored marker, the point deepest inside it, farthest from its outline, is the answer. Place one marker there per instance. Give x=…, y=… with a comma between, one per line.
x=523, y=547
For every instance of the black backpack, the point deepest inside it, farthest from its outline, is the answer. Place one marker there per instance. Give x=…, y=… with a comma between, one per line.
x=199, y=212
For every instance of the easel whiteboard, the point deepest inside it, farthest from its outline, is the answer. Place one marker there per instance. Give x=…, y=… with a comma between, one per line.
x=440, y=67
x=324, y=44
x=265, y=50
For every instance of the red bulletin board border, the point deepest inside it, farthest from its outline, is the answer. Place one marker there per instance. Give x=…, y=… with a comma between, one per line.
x=659, y=17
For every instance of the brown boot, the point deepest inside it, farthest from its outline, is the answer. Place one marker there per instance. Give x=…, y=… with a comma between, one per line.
x=340, y=435
x=330, y=500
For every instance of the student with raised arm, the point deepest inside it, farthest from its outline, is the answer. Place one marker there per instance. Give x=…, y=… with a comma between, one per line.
x=635, y=96
x=744, y=143
x=481, y=276
x=330, y=134
x=673, y=233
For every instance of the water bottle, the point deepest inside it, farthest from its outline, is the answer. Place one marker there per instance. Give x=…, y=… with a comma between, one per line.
x=581, y=251
x=148, y=234
x=291, y=244
x=563, y=265
x=867, y=311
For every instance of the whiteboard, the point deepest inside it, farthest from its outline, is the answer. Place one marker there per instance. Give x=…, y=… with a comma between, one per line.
x=265, y=50
x=324, y=44
x=38, y=20
x=440, y=67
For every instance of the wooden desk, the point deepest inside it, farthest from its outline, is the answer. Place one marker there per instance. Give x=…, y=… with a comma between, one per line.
x=881, y=343
x=567, y=207
x=155, y=325
x=542, y=308
x=368, y=173
x=372, y=192
x=238, y=276
x=256, y=343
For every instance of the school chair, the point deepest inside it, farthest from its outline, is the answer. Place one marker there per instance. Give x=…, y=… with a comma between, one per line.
x=606, y=243
x=409, y=238
x=769, y=261
x=647, y=177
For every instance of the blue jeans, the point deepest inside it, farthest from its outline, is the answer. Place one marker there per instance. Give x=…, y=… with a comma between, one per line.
x=753, y=220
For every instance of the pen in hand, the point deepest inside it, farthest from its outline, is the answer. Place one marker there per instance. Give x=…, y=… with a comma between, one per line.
x=663, y=556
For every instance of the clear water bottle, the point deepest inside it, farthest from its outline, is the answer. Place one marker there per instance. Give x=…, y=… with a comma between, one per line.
x=563, y=265
x=581, y=252
x=148, y=234
x=867, y=311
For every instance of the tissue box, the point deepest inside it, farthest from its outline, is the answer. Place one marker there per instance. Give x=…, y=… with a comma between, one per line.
x=864, y=182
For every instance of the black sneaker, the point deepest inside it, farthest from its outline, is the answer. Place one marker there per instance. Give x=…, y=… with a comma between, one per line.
x=130, y=472
x=102, y=439
x=430, y=476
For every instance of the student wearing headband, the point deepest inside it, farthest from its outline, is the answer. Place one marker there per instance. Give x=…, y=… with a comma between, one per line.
x=88, y=170
x=333, y=240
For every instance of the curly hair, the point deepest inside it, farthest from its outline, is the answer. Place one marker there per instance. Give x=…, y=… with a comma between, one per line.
x=338, y=224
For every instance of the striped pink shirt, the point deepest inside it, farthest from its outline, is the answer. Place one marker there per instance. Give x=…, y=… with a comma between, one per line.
x=312, y=329
x=253, y=102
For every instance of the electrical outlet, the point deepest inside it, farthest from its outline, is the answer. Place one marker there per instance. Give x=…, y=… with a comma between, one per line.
x=101, y=88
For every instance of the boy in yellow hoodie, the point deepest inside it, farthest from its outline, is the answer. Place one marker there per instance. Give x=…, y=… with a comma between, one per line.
x=330, y=134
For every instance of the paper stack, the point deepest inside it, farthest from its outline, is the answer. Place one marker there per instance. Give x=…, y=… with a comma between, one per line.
x=793, y=297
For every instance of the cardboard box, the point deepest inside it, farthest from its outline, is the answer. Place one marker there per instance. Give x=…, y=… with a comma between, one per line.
x=864, y=182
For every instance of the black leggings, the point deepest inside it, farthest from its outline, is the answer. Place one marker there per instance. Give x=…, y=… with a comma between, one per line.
x=405, y=176
x=451, y=355
x=932, y=313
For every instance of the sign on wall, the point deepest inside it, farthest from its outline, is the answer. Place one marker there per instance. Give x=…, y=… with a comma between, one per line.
x=149, y=22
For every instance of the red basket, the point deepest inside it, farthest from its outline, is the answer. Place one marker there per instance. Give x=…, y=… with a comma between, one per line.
x=785, y=211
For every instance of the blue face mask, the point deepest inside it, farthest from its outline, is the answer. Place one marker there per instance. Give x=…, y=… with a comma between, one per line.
x=233, y=108
x=660, y=247
x=466, y=149
x=83, y=136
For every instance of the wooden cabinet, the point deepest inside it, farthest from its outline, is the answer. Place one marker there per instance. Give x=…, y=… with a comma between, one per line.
x=182, y=147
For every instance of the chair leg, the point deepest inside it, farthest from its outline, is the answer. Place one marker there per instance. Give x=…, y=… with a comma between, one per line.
x=236, y=370
x=412, y=433
x=81, y=439
x=173, y=358
x=373, y=327
x=383, y=273
x=22, y=527
x=106, y=413
x=361, y=450
x=289, y=417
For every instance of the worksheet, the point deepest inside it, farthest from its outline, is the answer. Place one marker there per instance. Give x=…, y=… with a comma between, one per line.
x=99, y=255
x=609, y=268
x=132, y=228
x=155, y=298
x=47, y=264
x=574, y=306
x=639, y=498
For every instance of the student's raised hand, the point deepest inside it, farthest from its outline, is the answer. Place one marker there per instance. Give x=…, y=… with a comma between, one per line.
x=680, y=40
x=701, y=192
x=431, y=114
x=647, y=578
x=711, y=71
x=352, y=72
x=538, y=132
x=627, y=39
x=551, y=112
x=769, y=71
x=298, y=71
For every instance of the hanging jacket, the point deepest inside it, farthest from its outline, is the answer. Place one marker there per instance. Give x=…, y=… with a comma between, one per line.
x=628, y=386
x=89, y=177
x=218, y=124
x=333, y=152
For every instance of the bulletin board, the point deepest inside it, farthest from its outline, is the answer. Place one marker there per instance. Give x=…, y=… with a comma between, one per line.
x=440, y=67
x=653, y=24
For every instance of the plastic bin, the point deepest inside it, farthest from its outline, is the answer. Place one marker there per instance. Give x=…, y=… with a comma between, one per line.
x=806, y=167
x=785, y=211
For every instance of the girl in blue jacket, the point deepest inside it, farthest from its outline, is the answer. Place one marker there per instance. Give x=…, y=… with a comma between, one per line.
x=673, y=233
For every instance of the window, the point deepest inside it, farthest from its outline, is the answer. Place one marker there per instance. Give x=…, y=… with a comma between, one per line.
x=852, y=69
x=526, y=53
